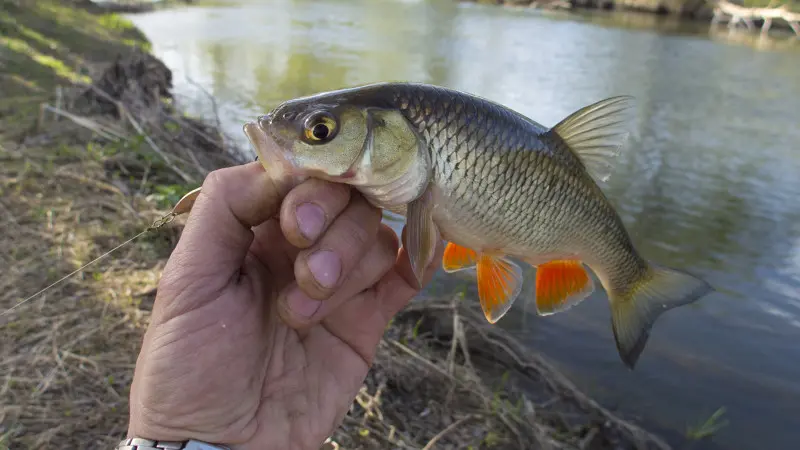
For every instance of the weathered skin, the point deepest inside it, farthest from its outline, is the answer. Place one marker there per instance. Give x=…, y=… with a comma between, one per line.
x=493, y=180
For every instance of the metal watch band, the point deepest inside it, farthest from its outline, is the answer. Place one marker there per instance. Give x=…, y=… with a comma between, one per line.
x=148, y=444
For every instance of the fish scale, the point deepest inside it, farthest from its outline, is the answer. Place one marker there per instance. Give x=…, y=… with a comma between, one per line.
x=497, y=161
x=494, y=184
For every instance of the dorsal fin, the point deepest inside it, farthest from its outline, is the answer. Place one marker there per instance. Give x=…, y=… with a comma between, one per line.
x=596, y=133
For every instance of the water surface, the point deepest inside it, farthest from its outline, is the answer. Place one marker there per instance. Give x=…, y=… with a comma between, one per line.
x=711, y=184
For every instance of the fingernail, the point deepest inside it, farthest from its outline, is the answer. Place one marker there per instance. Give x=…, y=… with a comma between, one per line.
x=310, y=220
x=301, y=304
x=325, y=266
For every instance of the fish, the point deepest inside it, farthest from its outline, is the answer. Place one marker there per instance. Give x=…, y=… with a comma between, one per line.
x=501, y=189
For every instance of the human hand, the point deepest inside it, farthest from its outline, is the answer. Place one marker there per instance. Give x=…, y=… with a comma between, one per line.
x=244, y=347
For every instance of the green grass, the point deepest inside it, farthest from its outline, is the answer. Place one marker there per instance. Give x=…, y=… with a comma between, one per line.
x=46, y=43
x=4, y=438
x=708, y=428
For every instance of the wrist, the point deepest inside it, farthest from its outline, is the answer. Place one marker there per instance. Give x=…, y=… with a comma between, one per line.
x=166, y=436
x=152, y=438
x=136, y=443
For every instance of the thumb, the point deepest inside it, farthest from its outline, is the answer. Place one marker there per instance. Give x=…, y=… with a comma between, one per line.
x=218, y=232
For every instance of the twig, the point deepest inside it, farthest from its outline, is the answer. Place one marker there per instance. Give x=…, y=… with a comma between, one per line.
x=449, y=428
x=739, y=13
x=155, y=148
x=185, y=124
x=9, y=214
x=210, y=97
x=143, y=181
x=587, y=441
x=104, y=131
x=197, y=164
x=486, y=398
x=84, y=359
x=371, y=403
x=376, y=432
x=99, y=184
x=451, y=357
x=59, y=97
x=120, y=107
x=556, y=381
x=421, y=359
x=125, y=113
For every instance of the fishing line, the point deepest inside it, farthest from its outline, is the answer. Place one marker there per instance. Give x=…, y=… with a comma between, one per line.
x=159, y=223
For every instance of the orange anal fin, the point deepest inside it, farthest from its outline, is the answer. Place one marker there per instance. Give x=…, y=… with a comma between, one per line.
x=560, y=285
x=457, y=258
x=499, y=284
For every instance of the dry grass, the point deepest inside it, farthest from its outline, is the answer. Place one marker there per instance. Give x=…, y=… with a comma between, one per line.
x=75, y=184
x=431, y=388
x=67, y=356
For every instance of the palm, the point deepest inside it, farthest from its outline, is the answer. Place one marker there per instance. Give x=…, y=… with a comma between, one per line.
x=233, y=354
x=304, y=369
x=241, y=366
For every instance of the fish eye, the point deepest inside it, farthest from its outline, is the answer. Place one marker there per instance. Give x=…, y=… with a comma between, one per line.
x=320, y=127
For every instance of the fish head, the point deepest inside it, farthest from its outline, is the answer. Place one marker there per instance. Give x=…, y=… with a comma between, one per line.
x=348, y=136
x=311, y=138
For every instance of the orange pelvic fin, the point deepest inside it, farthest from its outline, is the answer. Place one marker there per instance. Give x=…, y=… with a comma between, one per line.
x=457, y=258
x=499, y=284
x=560, y=285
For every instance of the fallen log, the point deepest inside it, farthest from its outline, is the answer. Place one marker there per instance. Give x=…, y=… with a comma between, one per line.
x=732, y=13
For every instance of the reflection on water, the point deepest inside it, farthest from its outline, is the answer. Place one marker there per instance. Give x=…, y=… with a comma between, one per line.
x=710, y=185
x=758, y=41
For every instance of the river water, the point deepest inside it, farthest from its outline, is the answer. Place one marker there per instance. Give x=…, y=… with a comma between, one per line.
x=711, y=183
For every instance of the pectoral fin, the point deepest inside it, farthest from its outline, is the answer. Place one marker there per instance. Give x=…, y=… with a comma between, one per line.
x=422, y=235
x=457, y=258
x=560, y=285
x=499, y=284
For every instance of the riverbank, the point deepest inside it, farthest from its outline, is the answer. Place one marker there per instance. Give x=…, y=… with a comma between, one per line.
x=93, y=149
x=756, y=14
x=685, y=8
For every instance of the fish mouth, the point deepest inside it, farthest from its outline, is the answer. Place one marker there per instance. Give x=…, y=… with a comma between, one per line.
x=265, y=145
x=277, y=162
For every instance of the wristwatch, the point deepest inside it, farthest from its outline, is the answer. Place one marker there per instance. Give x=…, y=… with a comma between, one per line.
x=148, y=444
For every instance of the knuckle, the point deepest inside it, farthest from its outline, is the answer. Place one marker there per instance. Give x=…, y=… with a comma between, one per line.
x=371, y=213
x=375, y=263
x=353, y=235
x=389, y=241
x=333, y=202
x=307, y=282
x=335, y=191
x=325, y=192
x=214, y=181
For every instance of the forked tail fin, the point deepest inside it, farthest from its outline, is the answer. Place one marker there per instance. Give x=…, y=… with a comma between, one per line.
x=634, y=312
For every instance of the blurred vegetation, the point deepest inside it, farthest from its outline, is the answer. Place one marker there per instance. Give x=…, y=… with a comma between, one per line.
x=46, y=43
x=794, y=5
